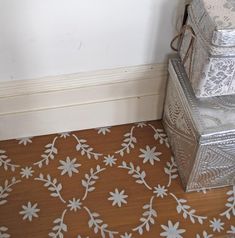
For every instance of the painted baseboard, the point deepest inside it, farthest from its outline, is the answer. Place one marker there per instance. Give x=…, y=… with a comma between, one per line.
x=81, y=101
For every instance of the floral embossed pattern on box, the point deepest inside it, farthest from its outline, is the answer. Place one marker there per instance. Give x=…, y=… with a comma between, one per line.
x=107, y=182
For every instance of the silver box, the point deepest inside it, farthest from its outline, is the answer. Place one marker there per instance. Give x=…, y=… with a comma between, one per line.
x=201, y=133
x=211, y=67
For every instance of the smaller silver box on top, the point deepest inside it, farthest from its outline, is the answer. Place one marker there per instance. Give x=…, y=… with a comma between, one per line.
x=208, y=47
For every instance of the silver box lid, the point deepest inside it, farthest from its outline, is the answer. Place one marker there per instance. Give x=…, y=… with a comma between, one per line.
x=216, y=20
x=214, y=118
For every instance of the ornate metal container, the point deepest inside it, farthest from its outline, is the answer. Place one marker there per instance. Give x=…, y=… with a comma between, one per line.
x=208, y=49
x=201, y=133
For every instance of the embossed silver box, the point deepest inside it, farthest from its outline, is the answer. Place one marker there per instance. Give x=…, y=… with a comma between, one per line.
x=210, y=62
x=201, y=133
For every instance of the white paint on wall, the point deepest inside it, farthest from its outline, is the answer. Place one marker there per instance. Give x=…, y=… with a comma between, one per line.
x=51, y=37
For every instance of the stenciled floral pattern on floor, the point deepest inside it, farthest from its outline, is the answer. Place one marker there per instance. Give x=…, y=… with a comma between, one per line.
x=107, y=182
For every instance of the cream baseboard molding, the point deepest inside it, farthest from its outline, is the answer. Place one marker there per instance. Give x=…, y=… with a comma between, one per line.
x=81, y=101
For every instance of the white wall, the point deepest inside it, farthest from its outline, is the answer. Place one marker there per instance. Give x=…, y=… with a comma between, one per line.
x=50, y=37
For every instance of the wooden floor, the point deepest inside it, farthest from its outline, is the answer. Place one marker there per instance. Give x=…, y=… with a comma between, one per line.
x=110, y=182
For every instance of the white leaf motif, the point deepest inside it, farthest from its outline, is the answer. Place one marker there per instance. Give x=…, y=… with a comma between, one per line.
x=128, y=143
x=231, y=204
x=186, y=212
x=90, y=180
x=6, y=162
x=136, y=173
x=171, y=171
x=85, y=149
x=160, y=135
x=147, y=218
x=49, y=154
x=6, y=189
x=3, y=233
x=98, y=225
x=59, y=228
x=52, y=185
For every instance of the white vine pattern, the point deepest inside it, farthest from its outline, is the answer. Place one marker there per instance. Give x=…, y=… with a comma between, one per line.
x=230, y=204
x=160, y=135
x=6, y=189
x=86, y=149
x=149, y=214
x=49, y=153
x=52, y=186
x=147, y=217
x=59, y=227
x=128, y=143
x=171, y=170
x=6, y=162
x=99, y=225
x=136, y=173
x=90, y=180
x=182, y=207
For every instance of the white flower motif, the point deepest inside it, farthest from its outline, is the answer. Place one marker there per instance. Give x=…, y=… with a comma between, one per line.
x=150, y=155
x=118, y=197
x=25, y=140
x=216, y=225
x=69, y=166
x=26, y=172
x=172, y=231
x=205, y=235
x=29, y=211
x=141, y=124
x=160, y=191
x=109, y=160
x=126, y=235
x=103, y=130
x=232, y=231
x=64, y=135
x=74, y=204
